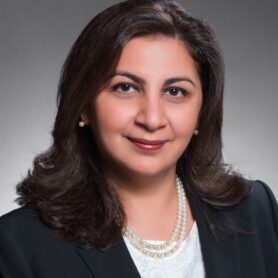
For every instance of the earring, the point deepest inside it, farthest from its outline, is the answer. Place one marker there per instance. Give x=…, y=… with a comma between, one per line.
x=196, y=132
x=82, y=122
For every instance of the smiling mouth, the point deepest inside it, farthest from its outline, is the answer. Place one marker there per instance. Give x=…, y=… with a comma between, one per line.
x=149, y=145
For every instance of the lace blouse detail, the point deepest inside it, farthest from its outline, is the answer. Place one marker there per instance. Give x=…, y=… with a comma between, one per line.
x=186, y=262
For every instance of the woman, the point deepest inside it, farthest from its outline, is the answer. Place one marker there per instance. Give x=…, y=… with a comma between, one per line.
x=134, y=183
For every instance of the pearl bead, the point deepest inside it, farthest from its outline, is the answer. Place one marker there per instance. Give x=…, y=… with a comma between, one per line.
x=81, y=124
x=176, y=237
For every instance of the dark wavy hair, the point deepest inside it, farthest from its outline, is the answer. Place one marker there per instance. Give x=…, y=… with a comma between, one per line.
x=66, y=184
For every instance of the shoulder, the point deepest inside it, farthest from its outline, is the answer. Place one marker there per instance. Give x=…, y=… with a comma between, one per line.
x=29, y=248
x=261, y=192
x=24, y=230
x=261, y=198
x=259, y=210
x=256, y=214
x=23, y=222
x=19, y=216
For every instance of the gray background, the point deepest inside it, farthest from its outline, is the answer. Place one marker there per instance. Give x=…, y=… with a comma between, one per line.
x=37, y=35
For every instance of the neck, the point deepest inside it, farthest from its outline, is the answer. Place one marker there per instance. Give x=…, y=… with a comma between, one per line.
x=135, y=187
x=148, y=202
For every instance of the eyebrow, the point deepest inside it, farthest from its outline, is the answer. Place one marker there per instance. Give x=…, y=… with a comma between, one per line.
x=141, y=81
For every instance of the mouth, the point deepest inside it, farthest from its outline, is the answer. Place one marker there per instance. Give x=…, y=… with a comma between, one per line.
x=149, y=145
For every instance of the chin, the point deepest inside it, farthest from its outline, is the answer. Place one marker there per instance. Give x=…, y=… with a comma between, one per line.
x=148, y=170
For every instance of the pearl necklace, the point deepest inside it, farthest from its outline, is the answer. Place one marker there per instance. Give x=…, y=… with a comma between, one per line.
x=177, y=236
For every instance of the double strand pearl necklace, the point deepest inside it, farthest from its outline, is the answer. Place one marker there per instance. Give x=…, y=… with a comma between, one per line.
x=177, y=236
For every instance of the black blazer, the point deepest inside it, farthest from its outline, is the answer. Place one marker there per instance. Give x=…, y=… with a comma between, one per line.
x=29, y=249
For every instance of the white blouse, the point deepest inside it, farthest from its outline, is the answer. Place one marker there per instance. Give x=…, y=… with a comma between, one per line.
x=186, y=262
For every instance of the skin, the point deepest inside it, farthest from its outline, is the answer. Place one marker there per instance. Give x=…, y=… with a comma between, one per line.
x=136, y=103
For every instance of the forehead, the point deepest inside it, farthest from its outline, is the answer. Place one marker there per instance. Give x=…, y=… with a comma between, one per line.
x=153, y=53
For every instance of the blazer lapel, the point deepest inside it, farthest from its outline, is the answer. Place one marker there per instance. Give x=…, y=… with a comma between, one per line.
x=220, y=256
x=111, y=262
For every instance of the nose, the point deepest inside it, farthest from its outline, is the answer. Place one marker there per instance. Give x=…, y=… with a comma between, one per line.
x=151, y=114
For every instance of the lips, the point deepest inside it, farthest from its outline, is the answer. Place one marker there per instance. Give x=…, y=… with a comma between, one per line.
x=144, y=144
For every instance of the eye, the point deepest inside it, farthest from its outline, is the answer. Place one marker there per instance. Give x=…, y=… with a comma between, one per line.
x=176, y=92
x=124, y=87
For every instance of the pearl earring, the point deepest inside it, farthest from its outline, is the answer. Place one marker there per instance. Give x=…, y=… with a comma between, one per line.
x=196, y=132
x=82, y=122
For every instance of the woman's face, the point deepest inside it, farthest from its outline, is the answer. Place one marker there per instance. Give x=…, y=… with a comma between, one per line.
x=144, y=118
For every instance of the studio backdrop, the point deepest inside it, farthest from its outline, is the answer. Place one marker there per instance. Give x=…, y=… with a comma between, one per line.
x=36, y=36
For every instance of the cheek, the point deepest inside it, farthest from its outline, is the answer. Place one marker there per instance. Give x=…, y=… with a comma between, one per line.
x=111, y=116
x=184, y=121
